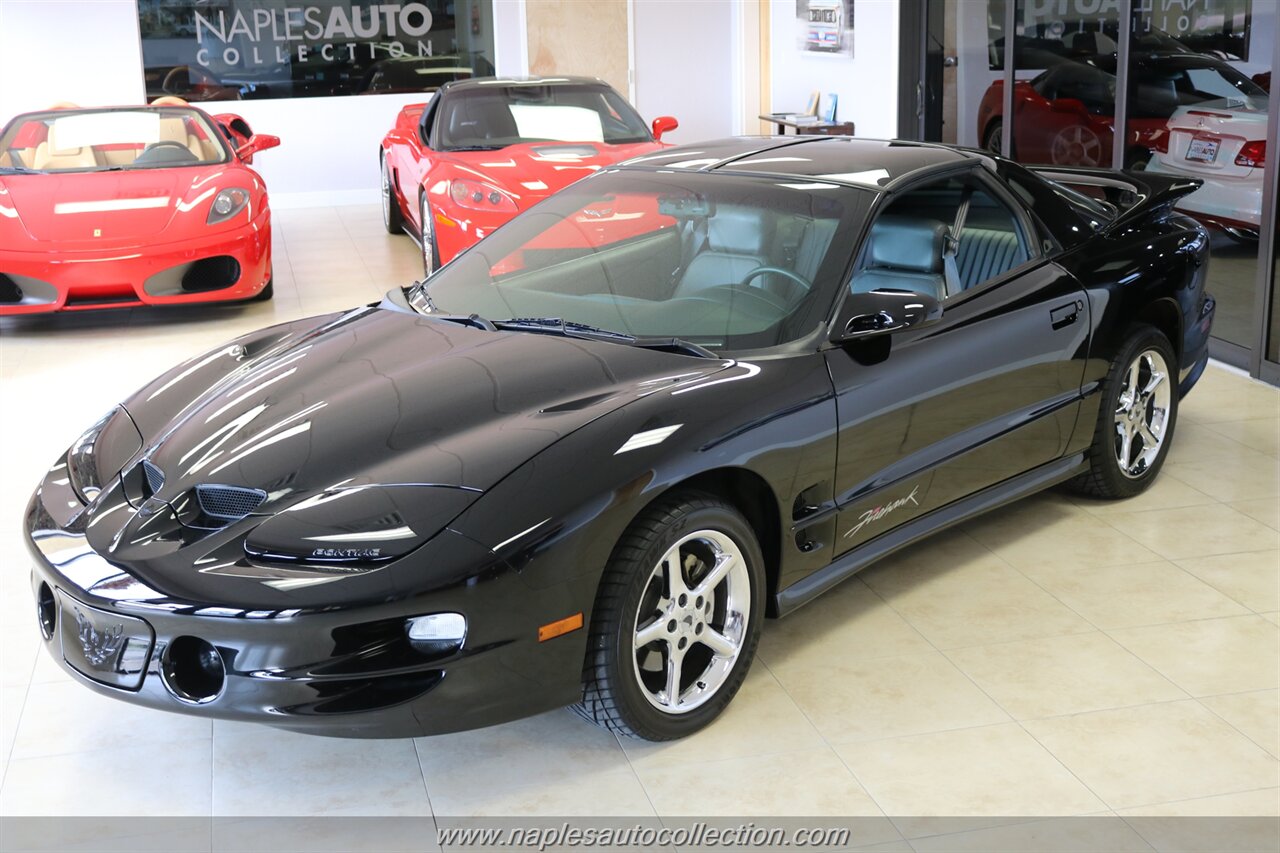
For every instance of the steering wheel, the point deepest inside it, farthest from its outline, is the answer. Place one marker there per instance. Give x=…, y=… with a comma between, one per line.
x=796, y=277
x=162, y=145
x=774, y=302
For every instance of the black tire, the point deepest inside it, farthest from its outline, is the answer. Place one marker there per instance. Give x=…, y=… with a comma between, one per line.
x=1105, y=477
x=613, y=693
x=992, y=140
x=427, y=238
x=392, y=217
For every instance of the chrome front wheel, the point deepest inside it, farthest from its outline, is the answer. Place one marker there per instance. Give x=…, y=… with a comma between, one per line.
x=391, y=218
x=427, y=237
x=676, y=619
x=691, y=624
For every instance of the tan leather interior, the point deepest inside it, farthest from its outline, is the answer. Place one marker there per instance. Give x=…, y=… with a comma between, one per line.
x=174, y=129
x=24, y=157
x=49, y=155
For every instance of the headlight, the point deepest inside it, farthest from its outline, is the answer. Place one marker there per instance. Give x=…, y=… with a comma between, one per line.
x=100, y=452
x=477, y=196
x=227, y=204
x=356, y=529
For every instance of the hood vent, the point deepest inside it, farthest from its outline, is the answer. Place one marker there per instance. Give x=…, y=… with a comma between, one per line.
x=228, y=503
x=154, y=477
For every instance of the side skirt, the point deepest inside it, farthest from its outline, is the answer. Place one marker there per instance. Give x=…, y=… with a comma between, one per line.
x=1035, y=480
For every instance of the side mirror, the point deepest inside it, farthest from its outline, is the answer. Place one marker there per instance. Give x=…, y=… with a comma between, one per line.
x=1071, y=106
x=883, y=312
x=663, y=124
x=256, y=143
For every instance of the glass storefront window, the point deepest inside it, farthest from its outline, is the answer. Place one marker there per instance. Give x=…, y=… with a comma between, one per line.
x=1196, y=110
x=220, y=50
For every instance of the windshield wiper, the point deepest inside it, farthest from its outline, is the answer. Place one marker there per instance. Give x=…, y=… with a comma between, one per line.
x=569, y=328
x=19, y=170
x=561, y=326
x=477, y=148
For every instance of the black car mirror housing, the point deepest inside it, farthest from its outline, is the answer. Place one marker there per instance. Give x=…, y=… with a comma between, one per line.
x=882, y=312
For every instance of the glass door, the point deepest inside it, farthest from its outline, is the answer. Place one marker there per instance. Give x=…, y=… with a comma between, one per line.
x=1179, y=88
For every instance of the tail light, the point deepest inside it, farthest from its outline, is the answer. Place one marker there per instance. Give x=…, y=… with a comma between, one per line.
x=478, y=196
x=1253, y=154
x=1160, y=142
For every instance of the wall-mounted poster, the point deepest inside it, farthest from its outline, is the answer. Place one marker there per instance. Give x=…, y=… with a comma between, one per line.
x=218, y=50
x=827, y=25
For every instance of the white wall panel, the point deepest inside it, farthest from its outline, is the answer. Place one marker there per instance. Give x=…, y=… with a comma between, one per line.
x=85, y=51
x=686, y=56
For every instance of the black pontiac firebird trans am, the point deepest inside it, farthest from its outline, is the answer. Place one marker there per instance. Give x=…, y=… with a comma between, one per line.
x=581, y=463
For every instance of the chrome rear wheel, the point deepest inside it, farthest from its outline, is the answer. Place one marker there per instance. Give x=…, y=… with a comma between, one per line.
x=1142, y=414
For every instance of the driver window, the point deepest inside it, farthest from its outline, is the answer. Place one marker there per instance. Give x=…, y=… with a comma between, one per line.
x=940, y=240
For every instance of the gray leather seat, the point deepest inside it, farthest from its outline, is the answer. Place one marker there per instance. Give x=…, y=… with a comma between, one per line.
x=985, y=254
x=905, y=254
x=737, y=242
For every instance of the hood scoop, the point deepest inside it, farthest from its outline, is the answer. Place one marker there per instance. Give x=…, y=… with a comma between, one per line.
x=571, y=151
x=206, y=506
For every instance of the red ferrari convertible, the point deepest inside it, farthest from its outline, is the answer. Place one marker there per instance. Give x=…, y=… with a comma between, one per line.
x=121, y=206
x=481, y=150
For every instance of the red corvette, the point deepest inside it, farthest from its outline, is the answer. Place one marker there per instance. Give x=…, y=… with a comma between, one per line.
x=121, y=206
x=482, y=150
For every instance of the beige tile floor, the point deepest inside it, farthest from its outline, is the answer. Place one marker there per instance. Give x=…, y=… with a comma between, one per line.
x=1059, y=657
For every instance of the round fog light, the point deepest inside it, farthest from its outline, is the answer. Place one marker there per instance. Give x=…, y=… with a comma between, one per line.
x=192, y=670
x=46, y=611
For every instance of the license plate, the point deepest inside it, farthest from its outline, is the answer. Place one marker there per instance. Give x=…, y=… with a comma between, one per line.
x=106, y=647
x=1203, y=150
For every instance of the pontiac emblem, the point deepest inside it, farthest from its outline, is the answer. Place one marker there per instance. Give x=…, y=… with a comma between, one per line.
x=99, y=646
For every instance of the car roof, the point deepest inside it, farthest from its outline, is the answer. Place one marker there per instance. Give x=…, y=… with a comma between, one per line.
x=875, y=164
x=490, y=82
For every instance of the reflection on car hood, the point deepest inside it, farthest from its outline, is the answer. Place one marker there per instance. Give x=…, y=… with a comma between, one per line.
x=376, y=396
x=534, y=170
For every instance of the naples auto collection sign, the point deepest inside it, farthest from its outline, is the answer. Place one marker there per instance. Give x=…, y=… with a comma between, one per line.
x=227, y=49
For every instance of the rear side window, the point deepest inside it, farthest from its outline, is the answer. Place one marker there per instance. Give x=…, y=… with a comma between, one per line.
x=942, y=239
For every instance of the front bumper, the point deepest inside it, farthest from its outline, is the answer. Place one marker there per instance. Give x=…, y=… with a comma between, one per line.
x=348, y=672
x=57, y=280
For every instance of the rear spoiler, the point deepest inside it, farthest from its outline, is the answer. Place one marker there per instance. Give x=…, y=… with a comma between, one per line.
x=1134, y=195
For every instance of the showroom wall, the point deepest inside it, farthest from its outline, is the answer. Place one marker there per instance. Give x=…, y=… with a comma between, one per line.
x=866, y=82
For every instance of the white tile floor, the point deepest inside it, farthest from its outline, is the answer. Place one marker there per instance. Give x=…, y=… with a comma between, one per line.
x=1059, y=657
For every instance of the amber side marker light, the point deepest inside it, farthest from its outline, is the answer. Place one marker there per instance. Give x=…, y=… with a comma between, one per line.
x=559, y=627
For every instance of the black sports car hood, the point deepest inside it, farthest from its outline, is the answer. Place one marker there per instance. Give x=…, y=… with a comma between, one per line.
x=379, y=396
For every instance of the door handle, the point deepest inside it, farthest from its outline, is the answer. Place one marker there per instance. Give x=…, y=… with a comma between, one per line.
x=1065, y=315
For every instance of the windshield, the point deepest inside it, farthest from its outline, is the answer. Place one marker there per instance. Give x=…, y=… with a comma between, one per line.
x=98, y=140
x=723, y=262
x=498, y=116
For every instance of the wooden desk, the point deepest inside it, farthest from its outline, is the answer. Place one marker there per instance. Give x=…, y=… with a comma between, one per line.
x=822, y=128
